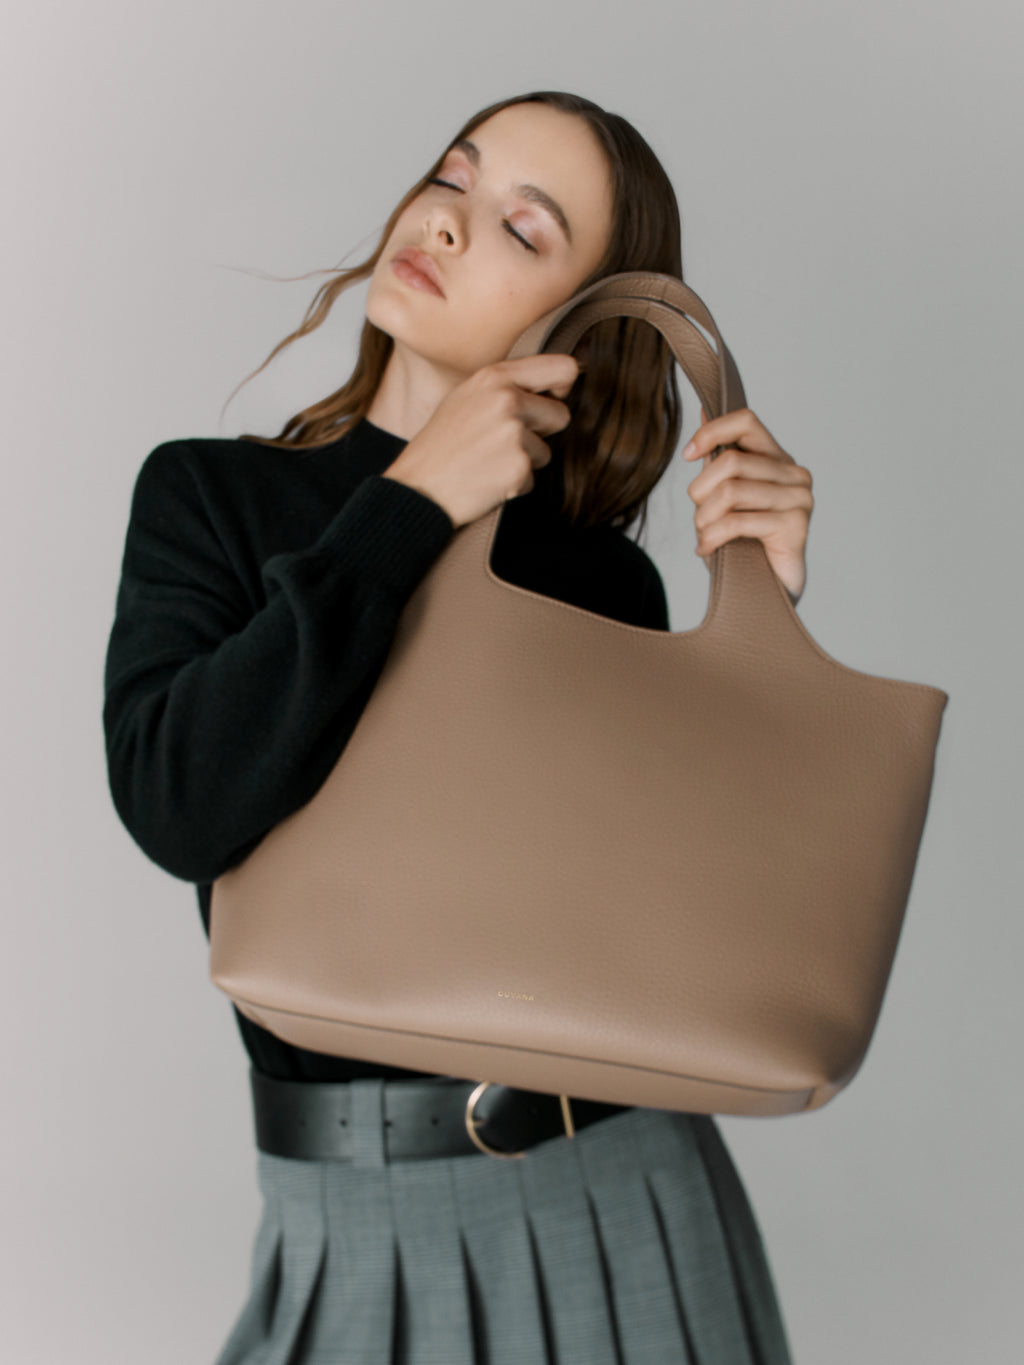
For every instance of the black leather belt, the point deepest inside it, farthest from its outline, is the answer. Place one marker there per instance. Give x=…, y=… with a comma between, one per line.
x=310, y=1119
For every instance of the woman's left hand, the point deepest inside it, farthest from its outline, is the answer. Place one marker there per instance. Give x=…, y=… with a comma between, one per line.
x=753, y=488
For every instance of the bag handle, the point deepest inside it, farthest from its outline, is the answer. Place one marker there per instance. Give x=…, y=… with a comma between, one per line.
x=741, y=565
x=663, y=300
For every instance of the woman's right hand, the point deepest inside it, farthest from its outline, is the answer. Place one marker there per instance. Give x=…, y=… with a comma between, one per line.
x=483, y=441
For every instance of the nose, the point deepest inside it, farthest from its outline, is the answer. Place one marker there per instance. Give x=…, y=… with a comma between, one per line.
x=443, y=225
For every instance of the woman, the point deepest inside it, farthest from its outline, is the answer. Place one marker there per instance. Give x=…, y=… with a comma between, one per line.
x=262, y=583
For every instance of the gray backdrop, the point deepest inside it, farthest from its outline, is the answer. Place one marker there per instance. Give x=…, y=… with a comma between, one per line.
x=849, y=180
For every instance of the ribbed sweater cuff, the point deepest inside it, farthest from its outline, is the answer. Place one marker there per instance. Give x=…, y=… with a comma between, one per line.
x=392, y=531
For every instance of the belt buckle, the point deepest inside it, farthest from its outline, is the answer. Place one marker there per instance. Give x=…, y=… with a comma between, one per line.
x=472, y=1122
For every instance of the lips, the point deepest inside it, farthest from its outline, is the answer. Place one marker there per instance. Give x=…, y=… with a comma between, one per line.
x=421, y=262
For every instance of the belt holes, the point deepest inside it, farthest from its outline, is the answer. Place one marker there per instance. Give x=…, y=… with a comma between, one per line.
x=433, y=1120
x=343, y=1122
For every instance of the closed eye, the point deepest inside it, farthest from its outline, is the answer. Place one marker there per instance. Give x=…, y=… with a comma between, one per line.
x=504, y=222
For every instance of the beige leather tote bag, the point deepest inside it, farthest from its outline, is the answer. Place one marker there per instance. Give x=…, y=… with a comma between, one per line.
x=568, y=854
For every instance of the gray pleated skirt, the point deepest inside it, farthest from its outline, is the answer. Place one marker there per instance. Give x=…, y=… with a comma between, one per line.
x=631, y=1243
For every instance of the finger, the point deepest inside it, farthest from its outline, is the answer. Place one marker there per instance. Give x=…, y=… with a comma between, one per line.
x=751, y=495
x=538, y=451
x=543, y=414
x=551, y=371
x=737, y=464
x=740, y=427
x=783, y=532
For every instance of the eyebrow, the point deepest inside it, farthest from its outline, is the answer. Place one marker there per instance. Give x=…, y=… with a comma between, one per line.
x=532, y=192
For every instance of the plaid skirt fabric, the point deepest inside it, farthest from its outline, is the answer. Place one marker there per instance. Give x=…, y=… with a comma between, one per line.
x=631, y=1243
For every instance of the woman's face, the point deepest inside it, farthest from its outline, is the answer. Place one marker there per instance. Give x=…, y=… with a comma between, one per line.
x=494, y=285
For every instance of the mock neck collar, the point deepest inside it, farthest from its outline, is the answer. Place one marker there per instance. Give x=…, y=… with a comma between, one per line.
x=363, y=450
x=375, y=433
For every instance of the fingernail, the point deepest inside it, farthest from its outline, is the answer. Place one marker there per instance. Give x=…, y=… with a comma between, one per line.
x=689, y=450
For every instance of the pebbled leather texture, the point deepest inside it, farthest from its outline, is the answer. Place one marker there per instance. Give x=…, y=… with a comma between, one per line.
x=577, y=856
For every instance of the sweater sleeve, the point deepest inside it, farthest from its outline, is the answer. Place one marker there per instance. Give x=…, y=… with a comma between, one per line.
x=219, y=720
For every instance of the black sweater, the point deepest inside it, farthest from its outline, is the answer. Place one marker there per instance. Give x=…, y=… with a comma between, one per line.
x=260, y=591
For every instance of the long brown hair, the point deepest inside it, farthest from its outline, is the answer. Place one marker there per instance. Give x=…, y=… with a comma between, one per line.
x=626, y=410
